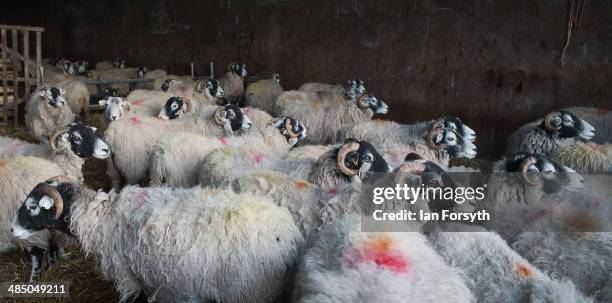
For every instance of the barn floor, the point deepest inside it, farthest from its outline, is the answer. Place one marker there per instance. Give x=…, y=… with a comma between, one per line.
x=86, y=284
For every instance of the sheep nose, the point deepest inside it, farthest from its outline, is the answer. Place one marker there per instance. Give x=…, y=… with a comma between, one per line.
x=114, y=117
x=105, y=150
x=11, y=230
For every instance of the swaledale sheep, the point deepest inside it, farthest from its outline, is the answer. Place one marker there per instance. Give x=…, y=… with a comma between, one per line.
x=341, y=165
x=496, y=273
x=522, y=190
x=600, y=118
x=323, y=120
x=173, y=245
x=259, y=118
x=70, y=146
x=176, y=163
x=353, y=87
x=151, y=74
x=557, y=130
x=262, y=94
x=233, y=83
x=46, y=111
x=161, y=82
x=132, y=139
x=347, y=265
x=436, y=140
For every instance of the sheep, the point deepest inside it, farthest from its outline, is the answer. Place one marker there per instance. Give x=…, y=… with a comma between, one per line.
x=114, y=108
x=150, y=240
x=496, y=273
x=600, y=118
x=521, y=191
x=77, y=96
x=262, y=94
x=147, y=103
x=259, y=118
x=133, y=138
x=104, y=65
x=11, y=148
x=151, y=74
x=436, y=140
x=233, y=83
x=46, y=111
x=352, y=87
x=586, y=158
x=65, y=156
x=341, y=165
x=323, y=120
x=558, y=129
x=160, y=82
x=175, y=163
x=347, y=265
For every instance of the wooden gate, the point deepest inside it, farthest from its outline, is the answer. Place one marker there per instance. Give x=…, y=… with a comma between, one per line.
x=19, y=73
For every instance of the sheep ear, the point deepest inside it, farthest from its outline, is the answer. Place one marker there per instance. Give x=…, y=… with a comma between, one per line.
x=103, y=103
x=62, y=91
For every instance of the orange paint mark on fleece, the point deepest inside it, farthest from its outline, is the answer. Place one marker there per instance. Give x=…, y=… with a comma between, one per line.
x=3, y=163
x=135, y=121
x=301, y=185
x=137, y=102
x=380, y=122
x=524, y=270
x=379, y=251
x=222, y=140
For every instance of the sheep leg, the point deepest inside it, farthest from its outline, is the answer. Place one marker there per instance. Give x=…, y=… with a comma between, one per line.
x=140, y=298
x=56, y=252
x=37, y=256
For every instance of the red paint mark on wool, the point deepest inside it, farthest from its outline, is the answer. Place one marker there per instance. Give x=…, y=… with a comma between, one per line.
x=247, y=110
x=332, y=191
x=258, y=157
x=137, y=102
x=380, y=252
x=135, y=121
x=222, y=140
x=538, y=215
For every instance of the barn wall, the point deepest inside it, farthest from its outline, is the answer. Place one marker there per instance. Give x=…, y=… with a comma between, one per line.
x=493, y=63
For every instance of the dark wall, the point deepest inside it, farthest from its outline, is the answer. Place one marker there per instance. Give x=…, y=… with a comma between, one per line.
x=493, y=63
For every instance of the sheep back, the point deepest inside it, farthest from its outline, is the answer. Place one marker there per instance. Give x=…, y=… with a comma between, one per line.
x=262, y=94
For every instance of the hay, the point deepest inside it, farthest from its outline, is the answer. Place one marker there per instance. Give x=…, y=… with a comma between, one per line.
x=86, y=285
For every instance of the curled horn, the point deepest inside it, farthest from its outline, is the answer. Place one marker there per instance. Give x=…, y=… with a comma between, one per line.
x=187, y=104
x=53, y=137
x=432, y=135
x=58, y=202
x=290, y=129
x=342, y=153
x=220, y=116
x=547, y=119
x=439, y=123
x=525, y=168
x=361, y=103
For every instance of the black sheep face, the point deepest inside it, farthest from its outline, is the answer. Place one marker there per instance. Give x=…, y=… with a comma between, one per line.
x=455, y=124
x=298, y=130
x=68, y=67
x=365, y=159
x=455, y=145
x=213, y=88
x=54, y=96
x=166, y=85
x=118, y=63
x=81, y=67
x=570, y=126
x=239, y=69
x=141, y=71
x=174, y=107
x=83, y=142
x=355, y=88
x=236, y=118
x=377, y=106
x=38, y=211
x=553, y=176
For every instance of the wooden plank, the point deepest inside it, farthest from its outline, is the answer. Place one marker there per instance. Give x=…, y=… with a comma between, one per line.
x=19, y=56
x=16, y=62
x=39, y=80
x=4, y=77
x=26, y=62
x=22, y=28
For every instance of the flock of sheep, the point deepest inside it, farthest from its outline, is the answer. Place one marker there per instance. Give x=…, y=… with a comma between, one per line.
x=215, y=202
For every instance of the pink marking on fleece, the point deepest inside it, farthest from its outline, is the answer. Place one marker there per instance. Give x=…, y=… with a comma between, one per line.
x=135, y=121
x=258, y=157
x=332, y=191
x=137, y=102
x=379, y=252
x=223, y=140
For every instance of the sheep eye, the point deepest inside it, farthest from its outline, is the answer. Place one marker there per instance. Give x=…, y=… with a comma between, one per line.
x=548, y=172
x=367, y=159
x=174, y=106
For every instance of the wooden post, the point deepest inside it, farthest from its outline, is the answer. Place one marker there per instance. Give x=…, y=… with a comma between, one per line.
x=4, y=77
x=212, y=70
x=39, y=75
x=26, y=62
x=16, y=62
